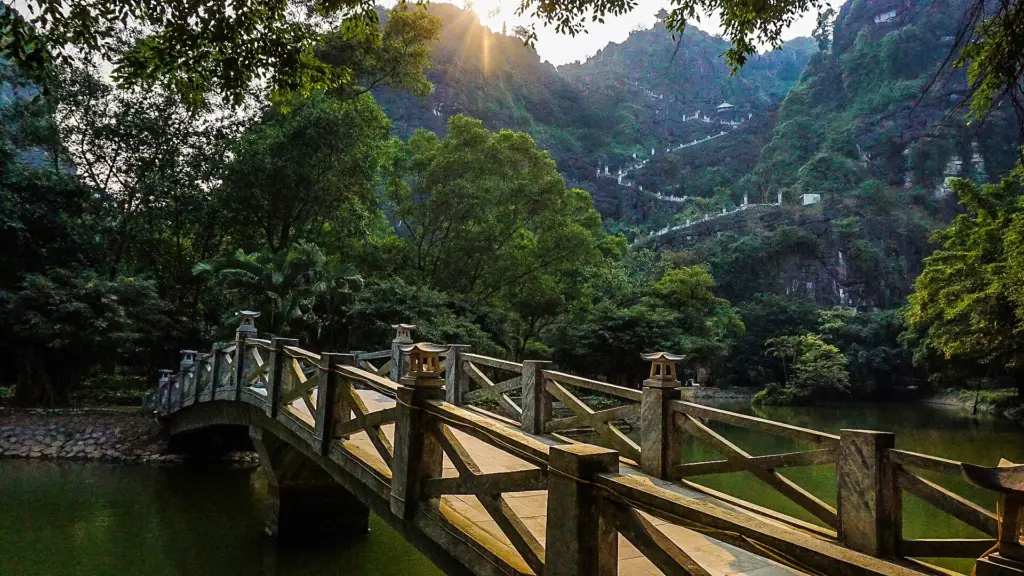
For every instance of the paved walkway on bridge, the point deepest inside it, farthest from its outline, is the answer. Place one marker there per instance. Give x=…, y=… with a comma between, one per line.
x=718, y=558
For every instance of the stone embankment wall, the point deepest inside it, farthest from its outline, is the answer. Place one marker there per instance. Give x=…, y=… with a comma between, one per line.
x=89, y=434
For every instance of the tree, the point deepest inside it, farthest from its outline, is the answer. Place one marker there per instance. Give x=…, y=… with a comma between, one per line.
x=993, y=53
x=192, y=49
x=706, y=324
x=812, y=370
x=303, y=166
x=766, y=316
x=282, y=286
x=438, y=316
x=643, y=305
x=967, y=302
x=63, y=324
x=823, y=30
x=870, y=342
x=48, y=219
x=397, y=58
x=152, y=163
x=487, y=215
x=523, y=33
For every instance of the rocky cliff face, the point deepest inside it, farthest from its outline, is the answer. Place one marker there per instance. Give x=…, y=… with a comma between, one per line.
x=872, y=131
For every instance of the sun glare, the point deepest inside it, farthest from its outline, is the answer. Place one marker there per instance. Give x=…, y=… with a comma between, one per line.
x=496, y=14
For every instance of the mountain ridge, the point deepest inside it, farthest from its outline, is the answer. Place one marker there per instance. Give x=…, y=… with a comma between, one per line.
x=496, y=78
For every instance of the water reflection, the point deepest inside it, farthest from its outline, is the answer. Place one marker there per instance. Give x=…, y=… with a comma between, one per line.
x=96, y=519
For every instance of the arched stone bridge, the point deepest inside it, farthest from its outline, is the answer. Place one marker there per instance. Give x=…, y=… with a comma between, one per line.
x=486, y=493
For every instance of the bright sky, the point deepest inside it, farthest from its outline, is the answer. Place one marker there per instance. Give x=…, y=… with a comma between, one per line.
x=561, y=49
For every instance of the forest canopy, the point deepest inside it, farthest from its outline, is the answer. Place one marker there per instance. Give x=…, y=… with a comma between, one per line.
x=143, y=213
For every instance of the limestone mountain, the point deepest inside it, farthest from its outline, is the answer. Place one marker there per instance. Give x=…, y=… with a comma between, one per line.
x=859, y=154
x=880, y=104
x=645, y=94
x=652, y=86
x=842, y=153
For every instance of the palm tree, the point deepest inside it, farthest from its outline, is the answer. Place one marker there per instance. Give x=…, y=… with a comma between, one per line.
x=282, y=286
x=782, y=347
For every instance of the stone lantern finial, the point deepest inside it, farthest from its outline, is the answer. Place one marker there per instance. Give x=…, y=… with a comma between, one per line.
x=247, y=322
x=424, y=363
x=663, y=366
x=165, y=375
x=403, y=332
x=188, y=358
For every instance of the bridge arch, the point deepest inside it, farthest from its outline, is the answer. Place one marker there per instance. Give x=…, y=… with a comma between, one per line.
x=314, y=496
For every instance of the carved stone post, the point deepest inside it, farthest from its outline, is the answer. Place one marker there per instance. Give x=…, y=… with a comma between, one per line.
x=656, y=423
x=329, y=410
x=202, y=361
x=417, y=454
x=456, y=381
x=186, y=374
x=246, y=329
x=275, y=374
x=164, y=387
x=869, y=501
x=215, y=368
x=536, y=398
x=403, y=337
x=582, y=541
x=1010, y=531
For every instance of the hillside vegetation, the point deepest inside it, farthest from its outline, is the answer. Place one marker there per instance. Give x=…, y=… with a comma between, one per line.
x=454, y=181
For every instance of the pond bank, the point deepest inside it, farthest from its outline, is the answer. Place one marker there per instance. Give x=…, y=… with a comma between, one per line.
x=103, y=434
x=1001, y=403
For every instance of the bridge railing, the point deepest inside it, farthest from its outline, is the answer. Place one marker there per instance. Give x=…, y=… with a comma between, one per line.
x=692, y=420
x=559, y=510
x=998, y=531
x=474, y=478
x=870, y=474
x=564, y=388
x=477, y=374
x=329, y=393
x=367, y=361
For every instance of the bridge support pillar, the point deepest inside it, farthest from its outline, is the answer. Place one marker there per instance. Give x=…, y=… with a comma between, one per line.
x=583, y=540
x=304, y=501
x=869, y=501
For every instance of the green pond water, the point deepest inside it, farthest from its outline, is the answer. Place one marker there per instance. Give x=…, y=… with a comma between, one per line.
x=98, y=519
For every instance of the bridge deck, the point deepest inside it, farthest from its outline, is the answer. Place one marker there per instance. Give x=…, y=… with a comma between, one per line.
x=718, y=558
